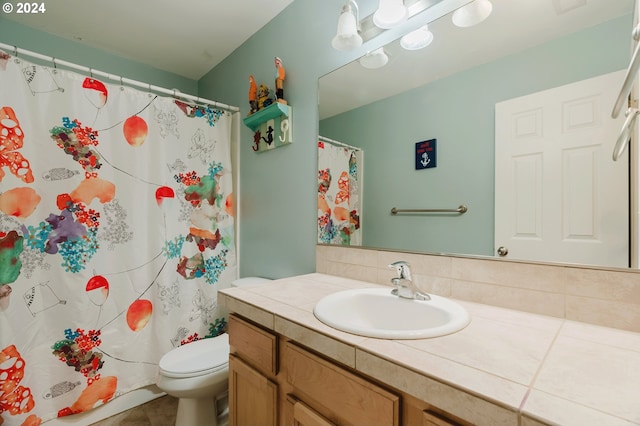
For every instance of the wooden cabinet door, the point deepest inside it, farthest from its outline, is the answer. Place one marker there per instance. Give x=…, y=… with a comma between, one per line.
x=253, y=398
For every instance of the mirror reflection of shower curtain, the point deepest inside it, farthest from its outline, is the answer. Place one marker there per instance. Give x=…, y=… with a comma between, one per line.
x=339, y=194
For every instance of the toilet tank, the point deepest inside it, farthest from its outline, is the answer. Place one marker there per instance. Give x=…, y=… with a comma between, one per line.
x=249, y=281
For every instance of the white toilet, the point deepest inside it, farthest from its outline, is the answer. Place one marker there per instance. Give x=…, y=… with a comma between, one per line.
x=198, y=374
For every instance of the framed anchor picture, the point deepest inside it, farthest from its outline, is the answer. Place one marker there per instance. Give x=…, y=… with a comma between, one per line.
x=425, y=154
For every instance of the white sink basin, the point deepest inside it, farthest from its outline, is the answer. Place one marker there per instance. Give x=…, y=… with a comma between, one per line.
x=375, y=312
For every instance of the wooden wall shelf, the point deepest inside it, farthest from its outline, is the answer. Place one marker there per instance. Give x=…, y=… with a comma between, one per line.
x=274, y=110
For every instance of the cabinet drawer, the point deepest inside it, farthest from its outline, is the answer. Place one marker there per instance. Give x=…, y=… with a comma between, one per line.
x=337, y=393
x=254, y=345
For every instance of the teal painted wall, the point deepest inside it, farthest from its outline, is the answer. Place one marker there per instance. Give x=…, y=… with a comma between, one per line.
x=458, y=111
x=15, y=34
x=278, y=199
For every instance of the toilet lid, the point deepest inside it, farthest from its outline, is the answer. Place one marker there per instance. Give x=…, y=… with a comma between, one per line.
x=196, y=358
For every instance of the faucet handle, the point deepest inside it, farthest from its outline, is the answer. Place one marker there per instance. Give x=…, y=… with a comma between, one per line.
x=403, y=268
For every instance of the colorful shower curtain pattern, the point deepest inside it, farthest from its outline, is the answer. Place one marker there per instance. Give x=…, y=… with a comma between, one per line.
x=116, y=232
x=339, y=195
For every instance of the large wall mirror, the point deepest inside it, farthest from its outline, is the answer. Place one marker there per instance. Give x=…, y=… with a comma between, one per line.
x=447, y=92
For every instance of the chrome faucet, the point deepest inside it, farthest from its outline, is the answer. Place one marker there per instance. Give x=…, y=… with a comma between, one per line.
x=405, y=286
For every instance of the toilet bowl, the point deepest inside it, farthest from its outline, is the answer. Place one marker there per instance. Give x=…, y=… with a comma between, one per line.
x=198, y=374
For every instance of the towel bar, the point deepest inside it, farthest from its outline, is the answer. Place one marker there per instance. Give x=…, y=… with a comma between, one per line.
x=461, y=209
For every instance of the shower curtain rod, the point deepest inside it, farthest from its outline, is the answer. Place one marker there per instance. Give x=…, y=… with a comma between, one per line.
x=334, y=142
x=123, y=80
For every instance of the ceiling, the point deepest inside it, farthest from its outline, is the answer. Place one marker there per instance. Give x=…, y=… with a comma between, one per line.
x=513, y=26
x=187, y=38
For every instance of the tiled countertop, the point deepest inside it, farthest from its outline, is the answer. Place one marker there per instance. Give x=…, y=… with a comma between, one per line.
x=505, y=368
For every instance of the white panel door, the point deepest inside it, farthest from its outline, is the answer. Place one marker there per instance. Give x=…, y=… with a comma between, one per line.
x=559, y=196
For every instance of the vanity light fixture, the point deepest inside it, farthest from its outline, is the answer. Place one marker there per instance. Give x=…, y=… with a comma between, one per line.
x=347, y=37
x=374, y=59
x=472, y=13
x=390, y=13
x=417, y=39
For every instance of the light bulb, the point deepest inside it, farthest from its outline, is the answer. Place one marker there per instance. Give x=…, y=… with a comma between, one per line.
x=472, y=13
x=417, y=39
x=376, y=59
x=347, y=37
x=390, y=13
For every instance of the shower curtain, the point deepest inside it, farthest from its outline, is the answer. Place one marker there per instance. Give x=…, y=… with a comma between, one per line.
x=116, y=232
x=339, y=194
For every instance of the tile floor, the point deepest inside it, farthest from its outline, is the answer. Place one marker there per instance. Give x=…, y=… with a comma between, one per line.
x=159, y=412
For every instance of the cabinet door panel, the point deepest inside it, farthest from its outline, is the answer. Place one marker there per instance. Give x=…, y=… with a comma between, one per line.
x=253, y=398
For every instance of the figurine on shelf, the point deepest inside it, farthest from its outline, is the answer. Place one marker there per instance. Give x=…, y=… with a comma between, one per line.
x=253, y=95
x=279, y=81
x=263, y=97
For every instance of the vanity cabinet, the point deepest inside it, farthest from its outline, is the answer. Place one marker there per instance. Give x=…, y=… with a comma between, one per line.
x=276, y=381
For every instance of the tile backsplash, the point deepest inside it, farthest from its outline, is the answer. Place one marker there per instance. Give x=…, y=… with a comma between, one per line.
x=609, y=298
